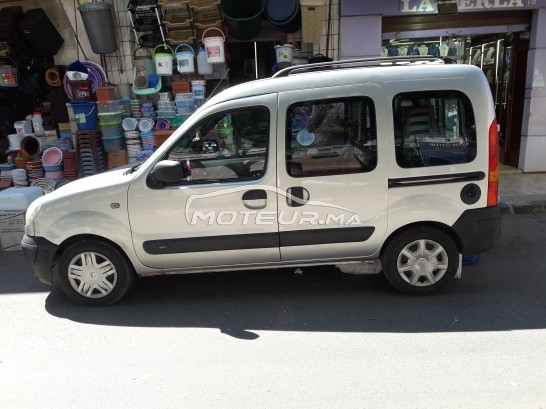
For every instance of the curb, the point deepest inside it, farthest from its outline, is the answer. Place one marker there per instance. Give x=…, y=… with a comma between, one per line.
x=533, y=207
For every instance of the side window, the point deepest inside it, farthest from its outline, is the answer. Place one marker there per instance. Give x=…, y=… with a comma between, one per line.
x=230, y=146
x=433, y=128
x=331, y=137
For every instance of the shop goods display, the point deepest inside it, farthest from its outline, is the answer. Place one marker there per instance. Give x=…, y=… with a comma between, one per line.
x=19, y=177
x=213, y=39
x=243, y=17
x=96, y=75
x=285, y=15
x=85, y=114
x=163, y=59
x=184, y=55
x=99, y=25
x=90, y=153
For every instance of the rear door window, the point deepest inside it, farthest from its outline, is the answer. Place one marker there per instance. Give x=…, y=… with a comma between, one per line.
x=433, y=128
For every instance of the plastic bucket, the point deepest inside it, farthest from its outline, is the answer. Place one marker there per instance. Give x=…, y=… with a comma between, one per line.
x=214, y=46
x=184, y=59
x=85, y=115
x=163, y=61
x=243, y=18
x=99, y=25
x=284, y=53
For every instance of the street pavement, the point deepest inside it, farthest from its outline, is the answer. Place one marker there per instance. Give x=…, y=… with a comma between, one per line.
x=282, y=339
x=522, y=193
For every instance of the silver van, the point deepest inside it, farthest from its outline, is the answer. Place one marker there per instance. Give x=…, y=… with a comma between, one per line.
x=369, y=165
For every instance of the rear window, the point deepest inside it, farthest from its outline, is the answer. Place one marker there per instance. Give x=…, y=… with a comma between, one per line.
x=433, y=128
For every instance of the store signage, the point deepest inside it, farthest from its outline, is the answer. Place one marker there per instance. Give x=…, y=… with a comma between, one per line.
x=429, y=6
x=405, y=7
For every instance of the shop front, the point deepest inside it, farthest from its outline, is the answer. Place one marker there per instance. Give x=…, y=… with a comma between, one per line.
x=500, y=37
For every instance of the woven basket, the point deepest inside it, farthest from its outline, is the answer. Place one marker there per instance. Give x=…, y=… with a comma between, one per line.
x=312, y=18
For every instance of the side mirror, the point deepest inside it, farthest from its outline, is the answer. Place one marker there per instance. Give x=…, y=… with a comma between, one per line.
x=166, y=171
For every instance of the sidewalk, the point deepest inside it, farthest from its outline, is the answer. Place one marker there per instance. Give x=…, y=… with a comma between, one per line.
x=522, y=192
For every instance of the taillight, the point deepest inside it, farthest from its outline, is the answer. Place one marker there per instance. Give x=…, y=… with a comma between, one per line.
x=493, y=176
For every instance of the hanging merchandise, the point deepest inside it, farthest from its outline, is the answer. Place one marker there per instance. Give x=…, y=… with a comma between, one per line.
x=285, y=15
x=312, y=16
x=54, y=75
x=214, y=46
x=144, y=64
x=243, y=18
x=203, y=66
x=284, y=53
x=163, y=60
x=99, y=25
x=184, y=59
x=8, y=74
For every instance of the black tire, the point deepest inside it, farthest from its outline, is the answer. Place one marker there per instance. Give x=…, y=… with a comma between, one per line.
x=92, y=272
x=420, y=260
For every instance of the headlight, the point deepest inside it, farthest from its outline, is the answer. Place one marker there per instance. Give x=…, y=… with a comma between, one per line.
x=31, y=214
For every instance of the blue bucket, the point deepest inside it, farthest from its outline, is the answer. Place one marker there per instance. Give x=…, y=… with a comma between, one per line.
x=85, y=114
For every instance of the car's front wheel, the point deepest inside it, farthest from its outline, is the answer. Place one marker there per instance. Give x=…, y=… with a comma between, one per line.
x=94, y=273
x=420, y=260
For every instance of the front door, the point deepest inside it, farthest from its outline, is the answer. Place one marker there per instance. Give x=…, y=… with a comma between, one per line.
x=332, y=185
x=208, y=218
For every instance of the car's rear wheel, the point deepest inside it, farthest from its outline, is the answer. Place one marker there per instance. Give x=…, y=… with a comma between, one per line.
x=94, y=273
x=420, y=260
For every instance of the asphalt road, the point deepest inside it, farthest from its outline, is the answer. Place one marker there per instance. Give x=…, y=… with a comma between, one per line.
x=276, y=339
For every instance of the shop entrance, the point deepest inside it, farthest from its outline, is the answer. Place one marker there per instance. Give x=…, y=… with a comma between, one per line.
x=503, y=58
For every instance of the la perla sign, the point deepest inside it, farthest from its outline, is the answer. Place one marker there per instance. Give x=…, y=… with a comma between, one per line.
x=429, y=6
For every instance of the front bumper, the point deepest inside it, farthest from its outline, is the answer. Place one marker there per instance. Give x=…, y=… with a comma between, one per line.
x=41, y=253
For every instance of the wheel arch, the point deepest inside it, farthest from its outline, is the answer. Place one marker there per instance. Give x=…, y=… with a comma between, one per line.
x=80, y=237
x=441, y=226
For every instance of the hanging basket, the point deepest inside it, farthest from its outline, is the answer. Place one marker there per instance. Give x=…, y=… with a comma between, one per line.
x=144, y=64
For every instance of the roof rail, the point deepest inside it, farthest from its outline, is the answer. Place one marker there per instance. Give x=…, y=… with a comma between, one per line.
x=359, y=62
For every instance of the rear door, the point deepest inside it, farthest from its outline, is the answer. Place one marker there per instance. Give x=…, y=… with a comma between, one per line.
x=332, y=178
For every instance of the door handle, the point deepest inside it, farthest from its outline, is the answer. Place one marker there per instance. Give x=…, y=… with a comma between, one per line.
x=297, y=196
x=255, y=198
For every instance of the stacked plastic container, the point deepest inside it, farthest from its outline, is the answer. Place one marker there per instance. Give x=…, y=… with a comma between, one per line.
x=147, y=110
x=165, y=107
x=132, y=139
x=110, y=118
x=185, y=105
x=146, y=125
